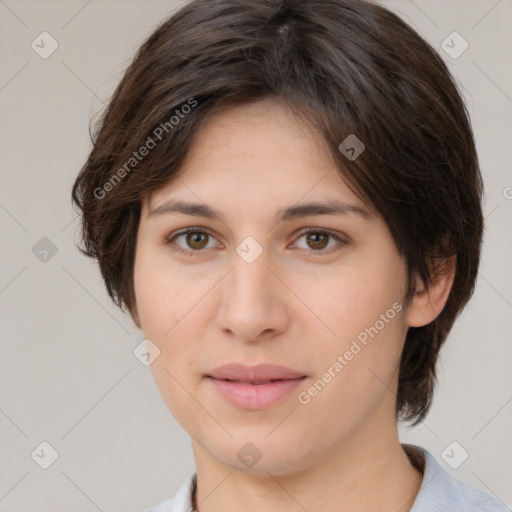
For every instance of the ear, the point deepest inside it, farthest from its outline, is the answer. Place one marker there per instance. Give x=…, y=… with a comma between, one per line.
x=426, y=305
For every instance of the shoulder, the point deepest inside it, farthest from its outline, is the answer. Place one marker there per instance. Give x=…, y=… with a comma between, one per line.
x=442, y=492
x=181, y=501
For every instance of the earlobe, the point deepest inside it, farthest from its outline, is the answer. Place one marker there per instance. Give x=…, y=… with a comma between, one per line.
x=426, y=305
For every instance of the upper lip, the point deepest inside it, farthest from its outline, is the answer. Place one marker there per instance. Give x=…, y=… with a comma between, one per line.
x=259, y=372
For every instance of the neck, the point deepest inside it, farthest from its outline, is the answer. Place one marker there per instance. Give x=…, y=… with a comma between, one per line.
x=359, y=475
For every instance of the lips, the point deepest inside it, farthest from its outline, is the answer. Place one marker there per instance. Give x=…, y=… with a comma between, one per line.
x=255, y=382
x=260, y=373
x=254, y=387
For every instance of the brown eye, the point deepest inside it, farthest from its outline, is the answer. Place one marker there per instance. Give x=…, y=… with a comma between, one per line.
x=196, y=239
x=192, y=241
x=317, y=240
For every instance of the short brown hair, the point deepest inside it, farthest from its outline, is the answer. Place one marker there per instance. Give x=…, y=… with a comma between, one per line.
x=346, y=67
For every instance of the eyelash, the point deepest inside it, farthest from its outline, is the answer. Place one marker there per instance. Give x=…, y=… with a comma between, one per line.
x=170, y=240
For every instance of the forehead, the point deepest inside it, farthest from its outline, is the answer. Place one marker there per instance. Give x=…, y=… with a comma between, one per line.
x=260, y=155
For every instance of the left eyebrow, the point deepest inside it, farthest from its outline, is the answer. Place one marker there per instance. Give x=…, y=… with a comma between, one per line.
x=286, y=214
x=329, y=208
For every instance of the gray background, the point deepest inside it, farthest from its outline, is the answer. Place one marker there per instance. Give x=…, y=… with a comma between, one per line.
x=68, y=374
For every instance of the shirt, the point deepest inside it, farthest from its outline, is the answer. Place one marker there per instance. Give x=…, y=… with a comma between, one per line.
x=439, y=491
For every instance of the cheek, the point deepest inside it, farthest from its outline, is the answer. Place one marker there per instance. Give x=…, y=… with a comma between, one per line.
x=170, y=304
x=351, y=299
x=355, y=377
x=365, y=316
x=161, y=293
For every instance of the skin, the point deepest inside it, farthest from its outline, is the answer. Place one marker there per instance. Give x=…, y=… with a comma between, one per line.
x=294, y=305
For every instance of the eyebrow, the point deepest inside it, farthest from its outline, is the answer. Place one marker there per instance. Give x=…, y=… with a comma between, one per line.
x=287, y=214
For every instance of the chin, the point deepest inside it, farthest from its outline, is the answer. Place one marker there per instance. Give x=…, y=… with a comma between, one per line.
x=261, y=454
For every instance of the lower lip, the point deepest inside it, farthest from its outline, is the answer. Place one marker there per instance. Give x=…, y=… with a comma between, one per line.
x=255, y=396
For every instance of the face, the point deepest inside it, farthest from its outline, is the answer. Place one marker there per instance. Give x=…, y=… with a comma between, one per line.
x=283, y=330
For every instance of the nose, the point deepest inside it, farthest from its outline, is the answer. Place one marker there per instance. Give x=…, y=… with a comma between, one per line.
x=254, y=304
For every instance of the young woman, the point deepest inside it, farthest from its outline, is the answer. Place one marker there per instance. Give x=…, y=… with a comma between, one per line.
x=285, y=196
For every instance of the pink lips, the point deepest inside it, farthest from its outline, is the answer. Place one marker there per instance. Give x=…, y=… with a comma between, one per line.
x=254, y=387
